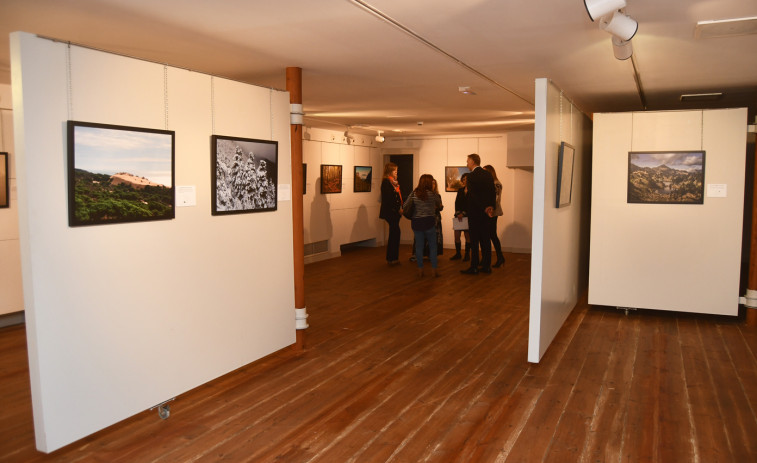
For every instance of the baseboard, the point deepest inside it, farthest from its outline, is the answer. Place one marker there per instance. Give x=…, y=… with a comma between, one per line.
x=15, y=318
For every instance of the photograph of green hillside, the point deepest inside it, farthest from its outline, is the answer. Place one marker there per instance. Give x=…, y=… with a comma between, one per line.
x=119, y=174
x=670, y=177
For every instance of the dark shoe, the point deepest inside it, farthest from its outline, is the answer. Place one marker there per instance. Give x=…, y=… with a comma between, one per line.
x=412, y=258
x=486, y=270
x=456, y=257
x=470, y=271
x=499, y=263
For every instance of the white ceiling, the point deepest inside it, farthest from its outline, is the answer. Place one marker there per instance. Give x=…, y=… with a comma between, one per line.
x=361, y=71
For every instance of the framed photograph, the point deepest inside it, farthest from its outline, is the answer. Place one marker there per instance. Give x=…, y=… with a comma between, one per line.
x=244, y=175
x=452, y=176
x=331, y=179
x=363, y=177
x=666, y=177
x=4, y=190
x=119, y=174
x=564, y=174
x=304, y=178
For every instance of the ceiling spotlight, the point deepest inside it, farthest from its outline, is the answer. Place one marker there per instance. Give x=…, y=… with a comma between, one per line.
x=619, y=25
x=466, y=90
x=379, y=137
x=621, y=48
x=599, y=8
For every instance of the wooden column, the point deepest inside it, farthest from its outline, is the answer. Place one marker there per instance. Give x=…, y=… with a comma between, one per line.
x=294, y=87
x=751, y=313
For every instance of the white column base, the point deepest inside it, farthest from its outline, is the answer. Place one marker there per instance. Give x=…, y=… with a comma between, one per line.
x=750, y=300
x=300, y=319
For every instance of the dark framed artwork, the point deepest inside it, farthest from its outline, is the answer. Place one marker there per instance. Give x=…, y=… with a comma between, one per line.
x=331, y=179
x=244, y=175
x=666, y=177
x=4, y=190
x=565, y=159
x=119, y=174
x=452, y=176
x=363, y=177
x=304, y=178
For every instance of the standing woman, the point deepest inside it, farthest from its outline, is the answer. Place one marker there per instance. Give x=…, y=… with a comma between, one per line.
x=391, y=211
x=461, y=208
x=424, y=203
x=497, y=212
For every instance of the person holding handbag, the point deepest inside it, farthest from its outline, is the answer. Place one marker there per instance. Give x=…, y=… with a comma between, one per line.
x=424, y=203
x=460, y=222
x=493, y=219
x=391, y=211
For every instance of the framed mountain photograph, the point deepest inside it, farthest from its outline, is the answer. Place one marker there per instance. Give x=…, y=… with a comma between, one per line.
x=452, y=176
x=363, y=178
x=666, y=177
x=244, y=175
x=119, y=174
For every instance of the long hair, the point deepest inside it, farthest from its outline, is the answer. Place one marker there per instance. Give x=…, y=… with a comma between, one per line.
x=425, y=185
x=491, y=170
x=388, y=168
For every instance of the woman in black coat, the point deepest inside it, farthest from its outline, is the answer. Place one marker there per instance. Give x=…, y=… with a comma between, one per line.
x=391, y=211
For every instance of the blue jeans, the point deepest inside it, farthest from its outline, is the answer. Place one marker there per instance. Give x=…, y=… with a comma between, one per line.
x=430, y=236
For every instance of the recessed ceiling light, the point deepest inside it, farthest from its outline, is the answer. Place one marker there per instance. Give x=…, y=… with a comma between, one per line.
x=725, y=28
x=466, y=90
x=702, y=96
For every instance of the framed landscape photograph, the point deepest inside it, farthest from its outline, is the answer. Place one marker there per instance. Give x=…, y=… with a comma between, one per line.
x=119, y=174
x=452, y=176
x=363, y=177
x=331, y=179
x=666, y=177
x=4, y=181
x=564, y=174
x=244, y=175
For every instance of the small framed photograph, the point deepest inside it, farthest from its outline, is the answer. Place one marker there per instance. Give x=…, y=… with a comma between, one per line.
x=363, y=177
x=4, y=181
x=666, y=177
x=331, y=179
x=244, y=175
x=564, y=175
x=304, y=178
x=452, y=176
x=119, y=174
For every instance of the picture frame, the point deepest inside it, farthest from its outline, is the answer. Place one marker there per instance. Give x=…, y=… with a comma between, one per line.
x=362, y=179
x=4, y=181
x=304, y=178
x=244, y=175
x=452, y=175
x=119, y=174
x=331, y=178
x=565, y=159
x=666, y=177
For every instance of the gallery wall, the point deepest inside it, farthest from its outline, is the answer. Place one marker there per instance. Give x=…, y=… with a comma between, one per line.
x=559, y=259
x=122, y=317
x=11, y=293
x=678, y=257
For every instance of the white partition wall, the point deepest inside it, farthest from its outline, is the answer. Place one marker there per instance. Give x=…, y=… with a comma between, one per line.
x=121, y=317
x=679, y=257
x=560, y=235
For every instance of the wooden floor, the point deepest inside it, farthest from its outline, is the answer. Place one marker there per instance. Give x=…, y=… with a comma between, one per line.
x=397, y=368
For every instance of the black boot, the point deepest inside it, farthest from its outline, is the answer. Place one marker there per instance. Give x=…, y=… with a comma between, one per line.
x=500, y=257
x=467, y=253
x=457, y=255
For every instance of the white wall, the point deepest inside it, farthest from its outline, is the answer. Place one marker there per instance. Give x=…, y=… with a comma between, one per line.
x=122, y=317
x=666, y=256
x=11, y=294
x=560, y=235
x=433, y=154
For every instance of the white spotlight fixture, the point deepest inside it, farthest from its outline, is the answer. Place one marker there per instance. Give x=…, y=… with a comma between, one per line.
x=621, y=48
x=599, y=8
x=619, y=25
x=380, y=138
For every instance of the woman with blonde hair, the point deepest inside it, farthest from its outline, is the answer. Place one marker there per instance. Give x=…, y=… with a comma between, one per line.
x=424, y=202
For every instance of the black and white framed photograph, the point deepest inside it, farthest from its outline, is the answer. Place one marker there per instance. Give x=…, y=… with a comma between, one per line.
x=565, y=158
x=452, y=175
x=244, y=175
x=666, y=177
x=331, y=179
x=4, y=181
x=119, y=174
x=363, y=178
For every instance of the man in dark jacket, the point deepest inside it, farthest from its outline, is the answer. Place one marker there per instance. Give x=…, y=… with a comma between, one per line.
x=481, y=199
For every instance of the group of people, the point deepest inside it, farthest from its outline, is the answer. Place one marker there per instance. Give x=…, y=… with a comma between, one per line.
x=478, y=202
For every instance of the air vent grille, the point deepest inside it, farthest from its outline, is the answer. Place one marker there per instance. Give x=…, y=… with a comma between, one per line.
x=318, y=247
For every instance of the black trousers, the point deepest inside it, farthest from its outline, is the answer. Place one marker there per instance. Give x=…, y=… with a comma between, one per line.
x=480, y=236
x=393, y=243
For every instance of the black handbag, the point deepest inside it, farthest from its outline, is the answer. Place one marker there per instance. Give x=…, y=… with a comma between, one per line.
x=409, y=210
